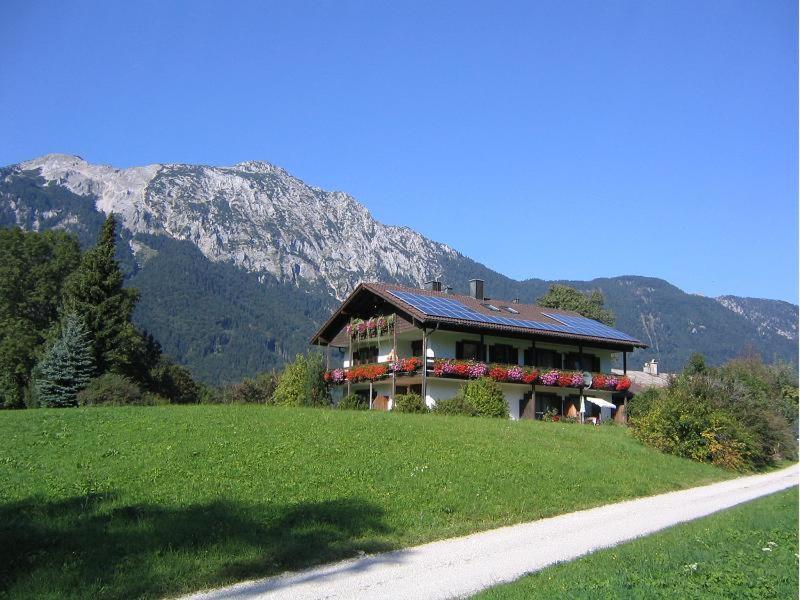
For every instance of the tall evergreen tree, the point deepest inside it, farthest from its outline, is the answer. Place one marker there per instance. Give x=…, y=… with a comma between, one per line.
x=67, y=365
x=95, y=293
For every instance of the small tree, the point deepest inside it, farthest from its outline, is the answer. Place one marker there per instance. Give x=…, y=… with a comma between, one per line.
x=696, y=364
x=486, y=397
x=67, y=365
x=591, y=305
x=302, y=383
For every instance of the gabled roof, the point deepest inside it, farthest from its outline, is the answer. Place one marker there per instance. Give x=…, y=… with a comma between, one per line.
x=473, y=314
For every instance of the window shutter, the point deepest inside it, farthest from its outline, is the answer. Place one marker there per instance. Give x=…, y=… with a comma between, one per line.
x=513, y=355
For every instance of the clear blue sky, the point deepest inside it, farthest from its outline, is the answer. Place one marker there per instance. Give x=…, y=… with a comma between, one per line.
x=545, y=139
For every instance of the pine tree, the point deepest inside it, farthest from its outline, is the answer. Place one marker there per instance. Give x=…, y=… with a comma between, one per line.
x=67, y=365
x=95, y=293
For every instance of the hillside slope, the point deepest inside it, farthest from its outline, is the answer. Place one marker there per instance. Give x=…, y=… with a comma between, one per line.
x=164, y=500
x=238, y=265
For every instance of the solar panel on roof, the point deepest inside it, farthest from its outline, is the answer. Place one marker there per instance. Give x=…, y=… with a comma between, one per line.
x=436, y=306
x=586, y=326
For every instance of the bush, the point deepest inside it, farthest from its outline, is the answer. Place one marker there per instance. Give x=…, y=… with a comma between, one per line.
x=409, y=403
x=740, y=416
x=486, y=396
x=353, y=402
x=112, y=389
x=174, y=382
x=260, y=390
x=692, y=428
x=302, y=383
x=454, y=406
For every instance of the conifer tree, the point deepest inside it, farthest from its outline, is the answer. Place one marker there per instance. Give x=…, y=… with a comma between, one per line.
x=67, y=365
x=95, y=293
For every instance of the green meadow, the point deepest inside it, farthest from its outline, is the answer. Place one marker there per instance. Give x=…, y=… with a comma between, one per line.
x=749, y=551
x=154, y=501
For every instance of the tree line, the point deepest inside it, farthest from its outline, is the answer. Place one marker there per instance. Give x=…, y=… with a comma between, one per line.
x=65, y=327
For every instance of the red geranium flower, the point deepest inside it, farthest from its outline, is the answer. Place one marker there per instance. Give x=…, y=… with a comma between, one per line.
x=498, y=373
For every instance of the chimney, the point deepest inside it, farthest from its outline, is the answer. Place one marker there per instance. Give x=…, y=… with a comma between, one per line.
x=433, y=286
x=476, y=289
x=448, y=290
x=515, y=301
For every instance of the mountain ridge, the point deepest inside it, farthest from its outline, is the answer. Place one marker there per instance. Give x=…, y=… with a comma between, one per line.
x=256, y=223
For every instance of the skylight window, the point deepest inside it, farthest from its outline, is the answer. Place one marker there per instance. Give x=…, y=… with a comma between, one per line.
x=513, y=311
x=491, y=307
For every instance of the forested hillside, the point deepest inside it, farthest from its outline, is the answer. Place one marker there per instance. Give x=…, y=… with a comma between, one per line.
x=237, y=266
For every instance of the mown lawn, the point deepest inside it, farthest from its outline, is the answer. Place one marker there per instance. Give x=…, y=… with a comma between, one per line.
x=146, y=502
x=749, y=551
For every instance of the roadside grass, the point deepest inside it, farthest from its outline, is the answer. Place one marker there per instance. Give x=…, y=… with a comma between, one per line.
x=146, y=502
x=749, y=551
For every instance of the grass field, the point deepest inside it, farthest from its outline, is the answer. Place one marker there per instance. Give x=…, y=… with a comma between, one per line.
x=749, y=551
x=146, y=502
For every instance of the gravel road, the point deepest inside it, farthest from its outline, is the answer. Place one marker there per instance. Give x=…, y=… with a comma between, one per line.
x=459, y=567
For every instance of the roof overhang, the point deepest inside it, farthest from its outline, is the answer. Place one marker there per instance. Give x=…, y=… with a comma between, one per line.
x=339, y=318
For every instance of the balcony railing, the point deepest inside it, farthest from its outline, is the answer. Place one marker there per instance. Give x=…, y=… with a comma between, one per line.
x=470, y=369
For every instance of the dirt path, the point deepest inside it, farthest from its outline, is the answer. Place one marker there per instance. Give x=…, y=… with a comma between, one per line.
x=463, y=566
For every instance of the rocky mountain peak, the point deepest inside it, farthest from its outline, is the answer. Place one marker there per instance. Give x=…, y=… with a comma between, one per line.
x=256, y=216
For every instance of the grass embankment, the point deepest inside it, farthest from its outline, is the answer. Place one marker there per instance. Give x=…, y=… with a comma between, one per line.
x=744, y=552
x=129, y=502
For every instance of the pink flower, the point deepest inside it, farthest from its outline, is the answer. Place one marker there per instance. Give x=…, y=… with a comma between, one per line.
x=515, y=374
x=477, y=370
x=549, y=378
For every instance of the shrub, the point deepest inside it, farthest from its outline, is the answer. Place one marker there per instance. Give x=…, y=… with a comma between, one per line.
x=260, y=390
x=691, y=427
x=454, y=406
x=409, y=403
x=486, y=397
x=174, y=382
x=302, y=382
x=112, y=389
x=353, y=402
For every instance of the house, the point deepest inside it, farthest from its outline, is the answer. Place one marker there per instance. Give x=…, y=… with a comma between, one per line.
x=387, y=339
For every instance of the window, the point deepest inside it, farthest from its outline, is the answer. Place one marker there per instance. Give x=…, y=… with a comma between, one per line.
x=513, y=311
x=490, y=307
x=469, y=350
x=365, y=356
x=416, y=348
x=503, y=353
x=582, y=362
x=544, y=358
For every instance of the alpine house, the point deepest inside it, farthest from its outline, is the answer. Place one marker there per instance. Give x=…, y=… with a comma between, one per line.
x=392, y=339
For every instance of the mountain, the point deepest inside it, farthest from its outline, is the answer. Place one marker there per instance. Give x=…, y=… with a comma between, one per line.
x=238, y=265
x=769, y=316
